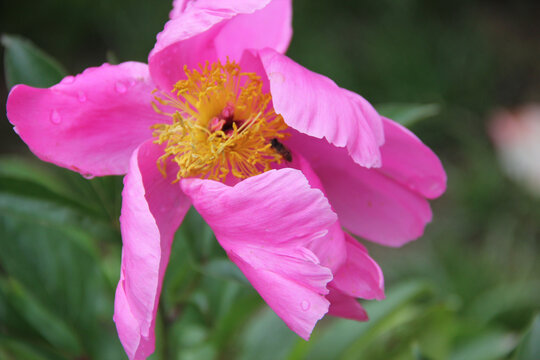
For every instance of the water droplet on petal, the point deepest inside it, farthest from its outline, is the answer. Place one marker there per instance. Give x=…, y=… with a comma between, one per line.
x=88, y=176
x=132, y=82
x=277, y=77
x=81, y=96
x=120, y=87
x=305, y=305
x=68, y=80
x=55, y=117
x=435, y=188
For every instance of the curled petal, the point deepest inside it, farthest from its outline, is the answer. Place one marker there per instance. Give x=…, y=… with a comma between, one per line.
x=290, y=282
x=407, y=160
x=90, y=123
x=179, y=6
x=269, y=27
x=314, y=105
x=152, y=210
x=385, y=205
x=377, y=208
x=208, y=30
x=330, y=249
x=360, y=276
x=265, y=224
x=356, y=274
x=279, y=202
x=345, y=306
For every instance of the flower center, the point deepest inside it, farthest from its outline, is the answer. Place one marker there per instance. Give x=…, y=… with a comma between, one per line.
x=222, y=123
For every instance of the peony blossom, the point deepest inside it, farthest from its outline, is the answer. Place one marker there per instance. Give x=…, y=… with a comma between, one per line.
x=274, y=157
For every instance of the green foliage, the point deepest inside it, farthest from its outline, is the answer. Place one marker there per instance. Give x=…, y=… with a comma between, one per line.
x=408, y=114
x=53, y=280
x=27, y=64
x=529, y=347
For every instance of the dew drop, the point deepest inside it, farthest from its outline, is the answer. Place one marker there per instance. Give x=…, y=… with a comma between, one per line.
x=277, y=77
x=55, y=117
x=120, y=87
x=88, y=176
x=435, y=188
x=132, y=82
x=68, y=80
x=81, y=96
x=305, y=305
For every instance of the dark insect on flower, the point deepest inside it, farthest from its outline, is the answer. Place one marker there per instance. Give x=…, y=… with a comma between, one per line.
x=281, y=149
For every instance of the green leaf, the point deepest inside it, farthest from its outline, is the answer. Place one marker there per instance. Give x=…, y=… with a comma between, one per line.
x=234, y=312
x=37, y=172
x=203, y=352
x=529, y=347
x=13, y=349
x=503, y=298
x=491, y=345
x=100, y=198
x=200, y=236
x=343, y=335
x=43, y=213
x=52, y=328
x=224, y=269
x=56, y=283
x=408, y=114
x=36, y=191
x=27, y=64
x=267, y=338
x=417, y=353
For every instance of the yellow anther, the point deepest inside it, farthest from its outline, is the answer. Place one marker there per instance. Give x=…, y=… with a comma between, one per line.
x=222, y=124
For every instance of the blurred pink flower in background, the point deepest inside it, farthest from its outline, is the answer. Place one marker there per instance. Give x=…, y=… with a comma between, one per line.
x=274, y=157
x=516, y=135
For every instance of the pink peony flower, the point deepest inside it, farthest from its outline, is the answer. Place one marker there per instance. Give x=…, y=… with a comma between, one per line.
x=274, y=157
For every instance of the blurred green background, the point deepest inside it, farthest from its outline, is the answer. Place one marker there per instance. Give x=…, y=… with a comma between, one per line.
x=468, y=289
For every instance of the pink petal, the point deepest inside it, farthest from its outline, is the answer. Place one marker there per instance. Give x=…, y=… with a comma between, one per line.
x=179, y=6
x=345, y=306
x=369, y=202
x=360, y=276
x=355, y=272
x=330, y=249
x=207, y=30
x=280, y=202
x=269, y=27
x=407, y=160
x=314, y=105
x=152, y=210
x=290, y=282
x=265, y=224
x=90, y=123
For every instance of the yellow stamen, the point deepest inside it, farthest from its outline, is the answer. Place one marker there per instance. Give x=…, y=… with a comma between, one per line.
x=221, y=124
